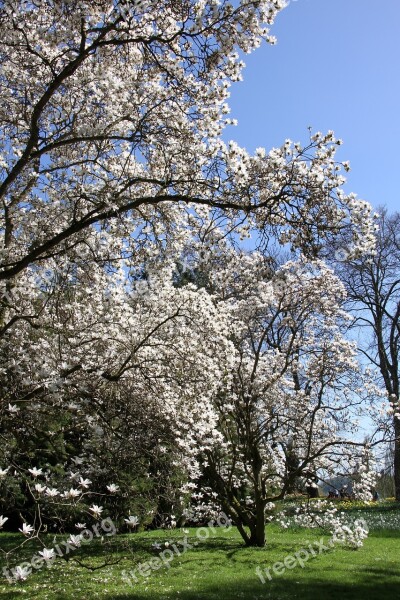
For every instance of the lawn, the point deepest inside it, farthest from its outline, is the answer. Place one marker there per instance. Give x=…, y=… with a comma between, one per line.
x=219, y=567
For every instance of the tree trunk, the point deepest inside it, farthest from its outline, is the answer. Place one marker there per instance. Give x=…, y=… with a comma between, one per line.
x=243, y=533
x=256, y=537
x=253, y=533
x=397, y=459
x=259, y=532
x=257, y=527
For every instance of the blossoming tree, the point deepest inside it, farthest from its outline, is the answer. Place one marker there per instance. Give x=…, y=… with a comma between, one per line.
x=111, y=163
x=288, y=401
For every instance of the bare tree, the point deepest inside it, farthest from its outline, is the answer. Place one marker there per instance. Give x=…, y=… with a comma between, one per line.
x=373, y=286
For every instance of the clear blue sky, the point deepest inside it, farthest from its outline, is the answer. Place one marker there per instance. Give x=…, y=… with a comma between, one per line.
x=336, y=66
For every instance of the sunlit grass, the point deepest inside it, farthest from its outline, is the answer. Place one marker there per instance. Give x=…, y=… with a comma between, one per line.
x=218, y=567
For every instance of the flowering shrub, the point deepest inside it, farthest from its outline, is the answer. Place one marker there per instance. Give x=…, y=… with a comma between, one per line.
x=321, y=514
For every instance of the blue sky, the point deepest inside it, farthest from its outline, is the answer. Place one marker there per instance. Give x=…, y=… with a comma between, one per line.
x=336, y=66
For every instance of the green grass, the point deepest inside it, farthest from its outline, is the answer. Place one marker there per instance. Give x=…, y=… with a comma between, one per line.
x=220, y=568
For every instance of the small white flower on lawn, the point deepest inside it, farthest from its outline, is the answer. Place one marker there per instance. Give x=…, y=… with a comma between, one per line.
x=132, y=521
x=47, y=554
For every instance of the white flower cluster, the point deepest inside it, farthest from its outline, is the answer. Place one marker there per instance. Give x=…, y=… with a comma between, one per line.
x=347, y=534
x=204, y=506
x=319, y=514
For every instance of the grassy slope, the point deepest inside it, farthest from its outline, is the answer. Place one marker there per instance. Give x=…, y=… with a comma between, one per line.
x=221, y=568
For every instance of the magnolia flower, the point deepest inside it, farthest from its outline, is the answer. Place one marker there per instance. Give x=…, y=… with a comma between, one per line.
x=35, y=472
x=26, y=529
x=13, y=409
x=96, y=510
x=21, y=573
x=47, y=554
x=346, y=165
x=75, y=540
x=112, y=488
x=80, y=525
x=84, y=482
x=51, y=492
x=74, y=475
x=156, y=546
x=132, y=521
x=2, y=521
x=3, y=472
x=72, y=493
x=40, y=488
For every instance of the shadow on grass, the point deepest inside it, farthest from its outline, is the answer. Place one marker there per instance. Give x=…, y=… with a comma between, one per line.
x=213, y=560
x=385, y=533
x=374, y=587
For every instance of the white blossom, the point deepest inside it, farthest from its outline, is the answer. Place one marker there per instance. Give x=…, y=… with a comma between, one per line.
x=132, y=521
x=47, y=554
x=2, y=521
x=96, y=510
x=112, y=488
x=21, y=573
x=27, y=529
x=35, y=472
